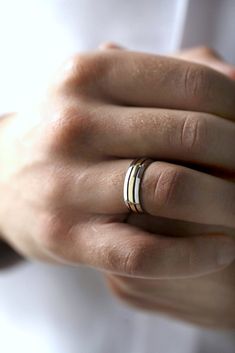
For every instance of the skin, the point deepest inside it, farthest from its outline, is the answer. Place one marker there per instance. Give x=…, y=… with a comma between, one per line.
x=206, y=300
x=62, y=168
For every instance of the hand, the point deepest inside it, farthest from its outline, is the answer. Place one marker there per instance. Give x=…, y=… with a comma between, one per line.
x=207, y=300
x=62, y=166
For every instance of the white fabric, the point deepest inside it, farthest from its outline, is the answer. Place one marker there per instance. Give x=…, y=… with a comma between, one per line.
x=47, y=309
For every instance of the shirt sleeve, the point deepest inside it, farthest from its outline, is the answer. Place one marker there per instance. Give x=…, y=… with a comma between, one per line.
x=8, y=257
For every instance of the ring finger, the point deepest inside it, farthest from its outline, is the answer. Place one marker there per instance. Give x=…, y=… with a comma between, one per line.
x=167, y=190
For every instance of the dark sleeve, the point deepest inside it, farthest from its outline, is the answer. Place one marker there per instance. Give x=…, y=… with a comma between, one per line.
x=8, y=257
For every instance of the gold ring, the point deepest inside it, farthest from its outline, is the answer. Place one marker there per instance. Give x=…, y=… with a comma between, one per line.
x=132, y=184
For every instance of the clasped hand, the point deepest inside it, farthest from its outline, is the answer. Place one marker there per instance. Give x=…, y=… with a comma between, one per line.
x=63, y=165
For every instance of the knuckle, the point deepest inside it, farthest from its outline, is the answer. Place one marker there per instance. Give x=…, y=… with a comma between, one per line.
x=56, y=184
x=138, y=259
x=130, y=259
x=51, y=232
x=81, y=72
x=69, y=126
x=133, y=263
x=197, y=83
x=193, y=133
x=166, y=187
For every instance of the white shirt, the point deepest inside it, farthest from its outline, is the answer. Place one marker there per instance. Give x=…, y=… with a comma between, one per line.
x=48, y=309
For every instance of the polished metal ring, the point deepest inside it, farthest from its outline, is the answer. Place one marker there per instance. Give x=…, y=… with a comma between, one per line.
x=132, y=184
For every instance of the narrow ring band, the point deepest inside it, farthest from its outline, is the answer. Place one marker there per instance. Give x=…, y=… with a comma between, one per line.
x=132, y=184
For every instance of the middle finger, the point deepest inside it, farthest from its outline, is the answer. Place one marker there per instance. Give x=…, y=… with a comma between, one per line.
x=193, y=137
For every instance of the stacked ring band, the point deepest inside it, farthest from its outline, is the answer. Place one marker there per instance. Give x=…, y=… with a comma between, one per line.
x=132, y=184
